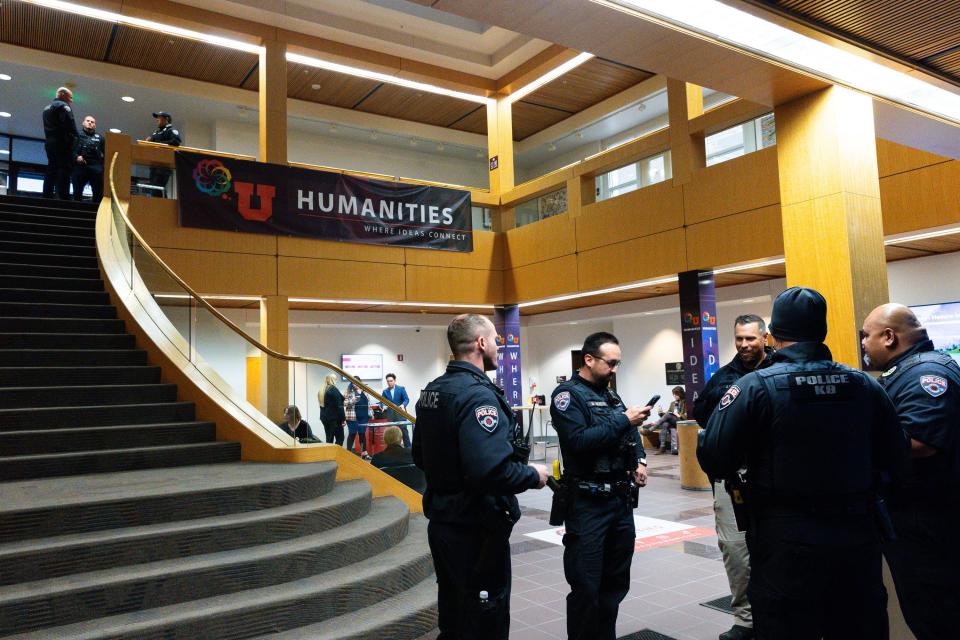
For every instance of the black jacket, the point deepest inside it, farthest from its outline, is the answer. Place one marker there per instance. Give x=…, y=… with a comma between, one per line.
x=393, y=456
x=59, y=127
x=718, y=384
x=303, y=429
x=90, y=146
x=333, y=406
x=166, y=135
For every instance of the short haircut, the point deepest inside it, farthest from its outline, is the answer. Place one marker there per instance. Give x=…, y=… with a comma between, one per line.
x=463, y=331
x=680, y=392
x=749, y=318
x=392, y=435
x=64, y=91
x=596, y=340
x=390, y=375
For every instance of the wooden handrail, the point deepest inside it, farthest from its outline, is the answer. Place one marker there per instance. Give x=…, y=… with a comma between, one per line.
x=118, y=210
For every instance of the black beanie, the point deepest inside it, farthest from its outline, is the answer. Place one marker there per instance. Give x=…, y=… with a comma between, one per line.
x=799, y=315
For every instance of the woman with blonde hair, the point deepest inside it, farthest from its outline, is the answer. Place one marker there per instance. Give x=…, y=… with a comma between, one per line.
x=332, y=414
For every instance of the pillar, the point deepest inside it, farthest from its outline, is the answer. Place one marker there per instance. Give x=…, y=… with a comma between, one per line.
x=273, y=102
x=500, y=144
x=274, y=373
x=830, y=202
x=685, y=101
x=698, y=330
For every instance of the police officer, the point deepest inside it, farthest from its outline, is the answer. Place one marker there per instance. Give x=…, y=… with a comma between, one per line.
x=604, y=463
x=60, y=131
x=924, y=385
x=164, y=134
x=750, y=338
x=814, y=435
x=464, y=444
x=88, y=152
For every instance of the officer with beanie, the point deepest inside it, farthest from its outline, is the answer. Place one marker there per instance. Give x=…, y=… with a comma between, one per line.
x=816, y=438
x=165, y=134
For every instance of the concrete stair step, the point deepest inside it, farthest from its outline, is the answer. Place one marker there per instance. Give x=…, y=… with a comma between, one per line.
x=67, y=376
x=47, y=218
x=88, y=439
x=55, y=207
x=256, y=612
x=34, y=509
x=94, y=416
x=79, y=396
x=21, y=246
x=45, y=558
x=67, y=341
x=45, y=224
x=53, y=310
x=79, y=357
x=55, y=270
x=55, y=296
x=47, y=282
x=46, y=259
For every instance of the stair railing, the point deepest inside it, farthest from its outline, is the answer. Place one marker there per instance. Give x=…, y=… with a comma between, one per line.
x=147, y=274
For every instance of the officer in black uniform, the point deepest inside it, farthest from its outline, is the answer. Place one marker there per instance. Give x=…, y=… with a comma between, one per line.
x=814, y=436
x=604, y=464
x=88, y=153
x=470, y=447
x=924, y=385
x=750, y=338
x=165, y=134
x=60, y=131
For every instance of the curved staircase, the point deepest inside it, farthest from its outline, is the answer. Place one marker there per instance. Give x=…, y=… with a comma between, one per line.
x=121, y=516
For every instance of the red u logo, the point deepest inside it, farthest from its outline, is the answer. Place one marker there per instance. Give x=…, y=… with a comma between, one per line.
x=246, y=191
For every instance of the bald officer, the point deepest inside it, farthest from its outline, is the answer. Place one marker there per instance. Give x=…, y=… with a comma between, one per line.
x=925, y=388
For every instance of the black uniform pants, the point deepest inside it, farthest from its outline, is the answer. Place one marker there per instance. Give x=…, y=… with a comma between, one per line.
x=925, y=563
x=469, y=559
x=56, y=178
x=598, y=549
x=159, y=176
x=84, y=174
x=827, y=585
x=333, y=429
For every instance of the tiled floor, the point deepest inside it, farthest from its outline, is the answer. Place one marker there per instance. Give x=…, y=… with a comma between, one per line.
x=668, y=583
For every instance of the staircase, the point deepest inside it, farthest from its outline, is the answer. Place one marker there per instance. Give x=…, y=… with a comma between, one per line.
x=122, y=516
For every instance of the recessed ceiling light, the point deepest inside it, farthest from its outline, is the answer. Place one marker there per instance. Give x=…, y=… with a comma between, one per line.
x=551, y=147
x=374, y=135
x=4, y=114
x=550, y=76
x=316, y=85
x=4, y=76
x=128, y=99
x=4, y=152
x=333, y=128
x=440, y=147
x=413, y=142
x=115, y=131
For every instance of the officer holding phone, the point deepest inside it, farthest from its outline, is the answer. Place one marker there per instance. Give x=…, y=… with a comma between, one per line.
x=604, y=465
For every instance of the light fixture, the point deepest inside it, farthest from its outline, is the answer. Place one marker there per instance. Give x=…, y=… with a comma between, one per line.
x=374, y=135
x=110, y=16
x=4, y=114
x=579, y=135
x=923, y=235
x=599, y=292
x=549, y=76
x=4, y=152
x=440, y=147
x=333, y=128
x=751, y=265
x=384, y=77
x=392, y=303
x=551, y=147
x=184, y=296
x=316, y=86
x=413, y=142
x=128, y=99
x=740, y=29
x=4, y=76
x=115, y=131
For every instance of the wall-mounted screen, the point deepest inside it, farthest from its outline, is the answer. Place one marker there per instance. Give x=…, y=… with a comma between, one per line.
x=942, y=322
x=366, y=366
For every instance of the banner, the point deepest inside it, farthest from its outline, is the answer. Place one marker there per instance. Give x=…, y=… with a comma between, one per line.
x=698, y=320
x=506, y=319
x=216, y=192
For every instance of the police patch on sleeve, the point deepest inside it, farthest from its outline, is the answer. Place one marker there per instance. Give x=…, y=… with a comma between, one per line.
x=488, y=417
x=562, y=400
x=936, y=386
x=728, y=398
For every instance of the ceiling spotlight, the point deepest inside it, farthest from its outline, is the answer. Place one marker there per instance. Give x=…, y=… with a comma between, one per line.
x=579, y=135
x=641, y=107
x=333, y=128
x=4, y=114
x=551, y=147
x=128, y=99
x=306, y=71
x=479, y=153
x=115, y=131
x=171, y=41
x=4, y=152
x=413, y=142
x=316, y=86
x=374, y=135
x=4, y=76
x=440, y=147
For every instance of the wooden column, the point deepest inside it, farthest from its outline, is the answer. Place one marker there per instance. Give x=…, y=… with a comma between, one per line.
x=274, y=373
x=687, y=152
x=273, y=102
x=500, y=145
x=830, y=198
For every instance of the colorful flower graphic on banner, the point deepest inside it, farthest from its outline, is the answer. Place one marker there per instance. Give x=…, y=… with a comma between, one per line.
x=211, y=177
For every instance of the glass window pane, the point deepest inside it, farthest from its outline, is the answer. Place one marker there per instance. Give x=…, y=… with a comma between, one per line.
x=622, y=175
x=656, y=170
x=31, y=151
x=768, y=131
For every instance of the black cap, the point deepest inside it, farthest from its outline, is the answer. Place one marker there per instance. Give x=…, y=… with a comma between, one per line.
x=799, y=315
x=163, y=114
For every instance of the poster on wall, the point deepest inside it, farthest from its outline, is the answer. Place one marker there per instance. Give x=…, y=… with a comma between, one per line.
x=216, y=192
x=365, y=366
x=942, y=322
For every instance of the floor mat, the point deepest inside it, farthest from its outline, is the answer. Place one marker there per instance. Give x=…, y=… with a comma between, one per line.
x=720, y=604
x=645, y=634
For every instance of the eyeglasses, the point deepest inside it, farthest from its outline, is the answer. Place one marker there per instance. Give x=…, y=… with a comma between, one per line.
x=613, y=364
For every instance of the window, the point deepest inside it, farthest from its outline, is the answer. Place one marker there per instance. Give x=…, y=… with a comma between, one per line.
x=482, y=218
x=541, y=208
x=742, y=139
x=631, y=177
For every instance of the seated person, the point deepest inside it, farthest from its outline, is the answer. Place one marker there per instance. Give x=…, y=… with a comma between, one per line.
x=295, y=426
x=660, y=433
x=395, y=455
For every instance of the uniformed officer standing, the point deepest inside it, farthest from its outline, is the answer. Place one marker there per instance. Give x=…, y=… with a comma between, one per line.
x=750, y=337
x=463, y=443
x=88, y=152
x=814, y=436
x=164, y=134
x=604, y=463
x=924, y=385
x=60, y=131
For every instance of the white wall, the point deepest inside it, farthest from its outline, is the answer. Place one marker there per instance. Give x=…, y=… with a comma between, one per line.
x=925, y=280
x=310, y=148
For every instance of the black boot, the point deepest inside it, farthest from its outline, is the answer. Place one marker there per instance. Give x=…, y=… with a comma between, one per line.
x=737, y=632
